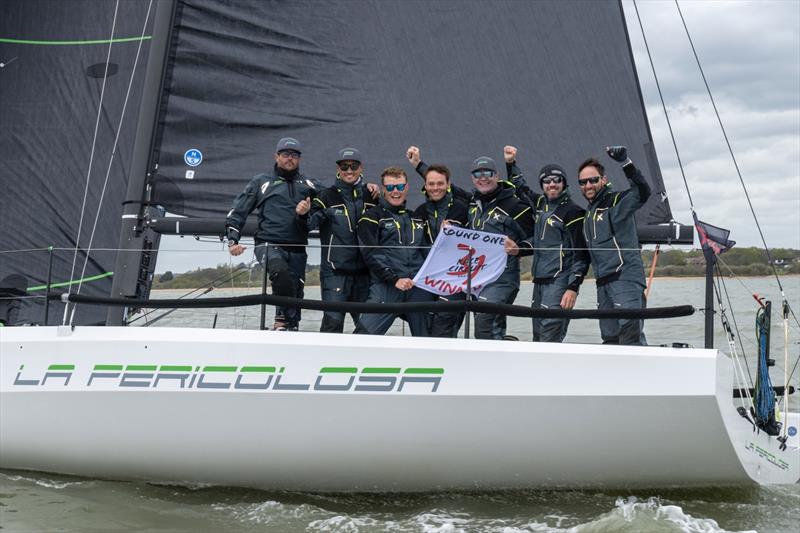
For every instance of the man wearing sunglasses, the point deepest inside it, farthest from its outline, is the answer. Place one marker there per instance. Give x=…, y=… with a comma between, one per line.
x=335, y=211
x=494, y=208
x=280, y=241
x=610, y=231
x=560, y=259
x=515, y=181
x=394, y=248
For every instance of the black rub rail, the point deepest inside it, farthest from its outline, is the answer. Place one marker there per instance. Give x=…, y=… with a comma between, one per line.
x=365, y=307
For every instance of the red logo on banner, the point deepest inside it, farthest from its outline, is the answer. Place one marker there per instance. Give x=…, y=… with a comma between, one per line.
x=463, y=268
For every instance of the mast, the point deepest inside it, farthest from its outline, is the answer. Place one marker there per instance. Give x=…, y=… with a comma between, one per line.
x=711, y=261
x=135, y=258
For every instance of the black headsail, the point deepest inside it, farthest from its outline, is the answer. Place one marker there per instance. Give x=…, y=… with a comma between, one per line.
x=52, y=66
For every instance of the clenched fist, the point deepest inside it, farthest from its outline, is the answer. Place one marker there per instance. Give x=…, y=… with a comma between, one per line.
x=510, y=154
x=617, y=153
x=412, y=154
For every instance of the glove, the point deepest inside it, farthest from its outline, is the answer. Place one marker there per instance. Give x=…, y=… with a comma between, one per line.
x=618, y=153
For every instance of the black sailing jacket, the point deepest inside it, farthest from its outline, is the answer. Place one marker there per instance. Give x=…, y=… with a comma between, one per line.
x=335, y=212
x=392, y=241
x=610, y=230
x=503, y=213
x=434, y=213
x=275, y=197
x=559, y=248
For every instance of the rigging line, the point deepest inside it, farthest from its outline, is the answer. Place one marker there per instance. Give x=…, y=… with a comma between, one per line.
x=113, y=150
x=91, y=153
x=735, y=163
x=146, y=315
x=721, y=283
x=735, y=324
x=664, y=106
x=233, y=285
x=734, y=276
x=213, y=284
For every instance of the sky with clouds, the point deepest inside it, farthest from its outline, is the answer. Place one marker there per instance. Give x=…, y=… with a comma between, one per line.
x=750, y=52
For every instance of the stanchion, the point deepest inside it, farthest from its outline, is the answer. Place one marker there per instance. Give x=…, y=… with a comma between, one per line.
x=49, y=283
x=469, y=289
x=264, y=288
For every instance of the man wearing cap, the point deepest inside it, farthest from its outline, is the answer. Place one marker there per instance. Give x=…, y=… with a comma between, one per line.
x=494, y=208
x=394, y=248
x=280, y=240
x=610, y=231
x=560, y=259
x=335, y=212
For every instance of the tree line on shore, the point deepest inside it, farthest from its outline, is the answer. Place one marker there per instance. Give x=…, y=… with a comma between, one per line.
x=673, y=263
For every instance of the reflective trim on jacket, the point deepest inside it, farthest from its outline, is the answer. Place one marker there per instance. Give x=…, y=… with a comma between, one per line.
x=610, y=230
x=392, y=242
x=335, y=212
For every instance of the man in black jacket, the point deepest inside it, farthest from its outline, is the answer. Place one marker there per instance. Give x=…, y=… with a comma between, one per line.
x=394, y=248
x=344, y=276
x=560, y=258
x=442, y=207
x=496, y=209
x=280, y=240
x=610, y=232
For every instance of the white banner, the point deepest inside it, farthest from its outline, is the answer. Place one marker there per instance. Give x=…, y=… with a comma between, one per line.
x=445, y=270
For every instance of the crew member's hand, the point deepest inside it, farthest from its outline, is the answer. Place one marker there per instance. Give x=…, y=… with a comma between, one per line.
x=303, y=206
x=510, y=154
x=404, y=284
x=236, y=249
x=568, y=300
x=618, y=153
x=374, y=190
x=510, y=246
x=412, y=154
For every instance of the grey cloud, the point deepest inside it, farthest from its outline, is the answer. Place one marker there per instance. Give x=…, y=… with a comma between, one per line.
x=750, y=52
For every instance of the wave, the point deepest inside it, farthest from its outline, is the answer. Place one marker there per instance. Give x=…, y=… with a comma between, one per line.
x=48, y=483
x=629, y=515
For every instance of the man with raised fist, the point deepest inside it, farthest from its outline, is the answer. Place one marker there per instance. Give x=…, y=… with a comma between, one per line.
x=610, y=231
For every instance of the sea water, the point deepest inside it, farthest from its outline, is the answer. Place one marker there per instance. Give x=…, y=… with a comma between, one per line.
x=31, y=501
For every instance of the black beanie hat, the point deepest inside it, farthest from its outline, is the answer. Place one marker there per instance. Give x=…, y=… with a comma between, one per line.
x=553, y=170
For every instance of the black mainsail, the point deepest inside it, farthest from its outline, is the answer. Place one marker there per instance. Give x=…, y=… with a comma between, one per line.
x=54, y=62
x=459, y=78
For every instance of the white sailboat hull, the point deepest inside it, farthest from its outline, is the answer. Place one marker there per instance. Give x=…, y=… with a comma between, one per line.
x=281, y=410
